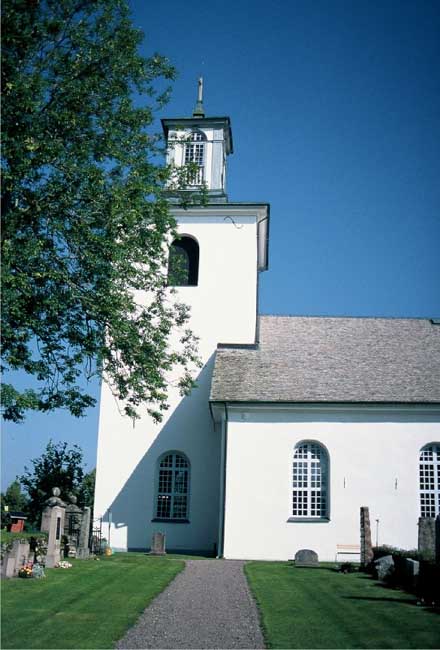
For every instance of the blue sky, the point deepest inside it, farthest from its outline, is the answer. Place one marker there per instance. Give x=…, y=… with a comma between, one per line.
x=335, y=110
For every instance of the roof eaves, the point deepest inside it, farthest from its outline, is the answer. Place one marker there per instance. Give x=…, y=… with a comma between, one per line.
x=306, y=403
x=237, y=346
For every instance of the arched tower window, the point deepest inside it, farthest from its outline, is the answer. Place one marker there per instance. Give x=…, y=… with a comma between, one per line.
x=173, y=487
x=183, y=263
x=195, y=155
x=310, y=481
x=429, y=476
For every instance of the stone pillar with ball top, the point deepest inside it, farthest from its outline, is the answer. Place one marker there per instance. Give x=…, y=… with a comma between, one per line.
x=52, y=522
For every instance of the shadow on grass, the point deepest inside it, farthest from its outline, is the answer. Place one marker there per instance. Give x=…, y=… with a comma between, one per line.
x=208, y=555
x=412, y=602
x=400, y=601
x=291, y=565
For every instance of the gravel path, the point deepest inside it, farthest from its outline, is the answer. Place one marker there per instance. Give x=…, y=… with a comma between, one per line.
x=208, y=605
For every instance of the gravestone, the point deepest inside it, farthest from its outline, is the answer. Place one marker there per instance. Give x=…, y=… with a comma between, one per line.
x=384, y=566
x=426, y=542
x=52, y=522
x=437, y=539
x=83, y=551
x=366, y=545
x=412, y=568
x=8, y=564
x=158, y=544
x=306, y=557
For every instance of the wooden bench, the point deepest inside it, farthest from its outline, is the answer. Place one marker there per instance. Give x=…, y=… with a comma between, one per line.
x=347, y=549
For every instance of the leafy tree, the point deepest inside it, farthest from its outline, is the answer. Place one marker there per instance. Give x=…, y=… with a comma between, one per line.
x=87, y=489
x=14, y=498
x=85, y=217
x=59, y=467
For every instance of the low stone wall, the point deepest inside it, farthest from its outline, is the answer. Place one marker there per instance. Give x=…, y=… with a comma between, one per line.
x=21, y=551
x=15, y=558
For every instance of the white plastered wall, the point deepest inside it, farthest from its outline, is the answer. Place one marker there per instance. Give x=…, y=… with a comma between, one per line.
x=373, y=462
x=223, y=309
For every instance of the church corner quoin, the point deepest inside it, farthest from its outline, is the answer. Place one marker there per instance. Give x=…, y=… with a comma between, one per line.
x=296, y=422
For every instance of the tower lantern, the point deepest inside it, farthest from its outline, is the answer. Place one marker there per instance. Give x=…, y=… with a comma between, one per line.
x=204, y=142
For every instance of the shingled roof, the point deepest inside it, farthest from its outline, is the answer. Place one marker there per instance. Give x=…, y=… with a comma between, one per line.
x=314, y=359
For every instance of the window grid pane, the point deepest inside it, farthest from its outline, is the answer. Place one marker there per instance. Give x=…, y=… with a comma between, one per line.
x=195, y=154
x=165, y=481
x=299, y=503
x=429, y=481
x=173, y=487
x=179, y=507
x=309, y=481
x=163, y=505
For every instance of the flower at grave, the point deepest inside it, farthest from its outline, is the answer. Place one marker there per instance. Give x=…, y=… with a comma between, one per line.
x=63, y=565
x=25, y=571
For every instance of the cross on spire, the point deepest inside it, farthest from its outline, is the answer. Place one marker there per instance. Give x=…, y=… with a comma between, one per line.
x=199, y=111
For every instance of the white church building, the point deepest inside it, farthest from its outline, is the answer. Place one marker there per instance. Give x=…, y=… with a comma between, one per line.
x=296, y=422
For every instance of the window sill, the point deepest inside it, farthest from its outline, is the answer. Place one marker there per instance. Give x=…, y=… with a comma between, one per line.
x=309, y=520
x=170, y=521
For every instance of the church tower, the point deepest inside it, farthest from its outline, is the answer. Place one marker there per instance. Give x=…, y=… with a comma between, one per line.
x=167, y=477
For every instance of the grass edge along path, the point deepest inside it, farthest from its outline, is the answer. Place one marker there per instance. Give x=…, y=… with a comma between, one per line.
x=320, y=608
x=90, y=605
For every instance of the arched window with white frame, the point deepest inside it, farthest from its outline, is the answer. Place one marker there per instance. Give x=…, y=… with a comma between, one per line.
x=310, y=478
x=429, y=480
x=195, y=155
x=172, y=494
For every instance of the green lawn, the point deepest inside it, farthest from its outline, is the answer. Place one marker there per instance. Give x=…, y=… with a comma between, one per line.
x=320, y=608
x=90, y=605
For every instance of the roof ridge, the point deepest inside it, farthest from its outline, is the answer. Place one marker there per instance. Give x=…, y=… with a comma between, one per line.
x=346, y=317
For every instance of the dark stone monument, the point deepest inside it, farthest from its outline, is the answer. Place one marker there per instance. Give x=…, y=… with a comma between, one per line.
x=437, y=539
x=412, y=569
x=426, y=542
x=83, y=551
x=366, y=546
x=158, y=544
x=306, y=557
x=72, y=525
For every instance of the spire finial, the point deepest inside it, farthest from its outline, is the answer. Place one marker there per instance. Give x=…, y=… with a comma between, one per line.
x=199, y=110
